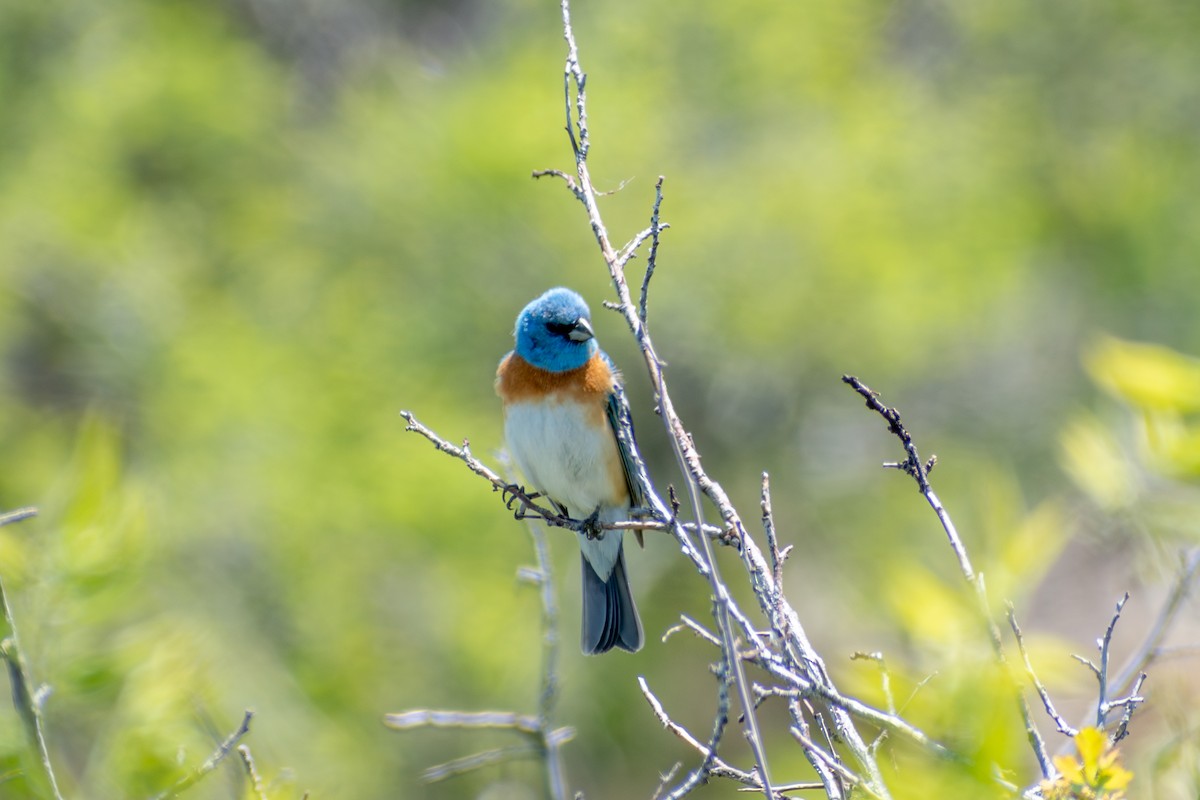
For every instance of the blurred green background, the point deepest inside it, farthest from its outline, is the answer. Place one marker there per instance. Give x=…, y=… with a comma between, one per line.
x=237, y=237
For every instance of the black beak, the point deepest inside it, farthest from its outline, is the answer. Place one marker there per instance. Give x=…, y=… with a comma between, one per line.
x=581, y=332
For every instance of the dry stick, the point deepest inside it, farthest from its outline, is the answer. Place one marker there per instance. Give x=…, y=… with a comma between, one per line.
x=586, y=194
x=484, y=758
x=720, y=719
x=24, y=697
x=825, y=692
x=529, y=508
x=1063, y=726
x=885, y=677
x=832, y=763
x=223, y=749
x=919, y=472
x=479, y=720
x=719, y=767
x=803, y=687
x=1103, y=704
x=655, y=229
x=16, y=515
x=1102, y=675
x=1150, y=648
x=544, y=741
x=800, y=728
x=784, y=619
x=556, y=781
x=1131, y=702
x=252, y=772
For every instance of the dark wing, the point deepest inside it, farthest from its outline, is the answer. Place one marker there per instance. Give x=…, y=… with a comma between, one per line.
x=636, y=478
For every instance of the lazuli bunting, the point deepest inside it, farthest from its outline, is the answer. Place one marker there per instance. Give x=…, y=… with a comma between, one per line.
x=562, y=409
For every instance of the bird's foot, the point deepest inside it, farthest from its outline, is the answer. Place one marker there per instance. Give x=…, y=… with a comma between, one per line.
x=591, y=526
x=513, y=492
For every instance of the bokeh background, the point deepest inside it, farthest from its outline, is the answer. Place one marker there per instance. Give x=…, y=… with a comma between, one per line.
x=237, y=237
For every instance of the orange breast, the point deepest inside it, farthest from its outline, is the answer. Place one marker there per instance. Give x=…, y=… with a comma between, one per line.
x=519, y=381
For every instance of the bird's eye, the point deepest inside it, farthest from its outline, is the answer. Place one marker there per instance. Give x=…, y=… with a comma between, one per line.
x=560, y=328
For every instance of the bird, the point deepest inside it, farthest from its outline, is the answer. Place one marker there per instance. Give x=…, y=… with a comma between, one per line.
x=564, y=412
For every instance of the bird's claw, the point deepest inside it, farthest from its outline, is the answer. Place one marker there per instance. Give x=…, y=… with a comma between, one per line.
x=591, y=526
x=513, y=492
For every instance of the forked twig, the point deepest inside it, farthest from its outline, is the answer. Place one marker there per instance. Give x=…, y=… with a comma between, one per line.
x=919, y=471
x=223, y=749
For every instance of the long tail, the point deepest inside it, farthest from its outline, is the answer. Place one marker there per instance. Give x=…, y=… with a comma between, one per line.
x=610, y=619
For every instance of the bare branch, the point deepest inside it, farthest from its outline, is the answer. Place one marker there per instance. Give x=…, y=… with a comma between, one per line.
x=1151, y=647
x=1061, y=723
x=885, y=676
x=699, y=775
x=919, y=471
x=484, y=758
x=778, y=557
x=685, y=454
x=717, y=766
x=655, y=229
x=1130, y=703
x=545, y=741
x=552, y=741
x=514, y=493
x=252, y=772
x=491, y=720
x=1087, y=663
x=16, y=515
x=1102, y=675
x=223, y=749
x=832, y=763
x=687, y=623
x=25, y=698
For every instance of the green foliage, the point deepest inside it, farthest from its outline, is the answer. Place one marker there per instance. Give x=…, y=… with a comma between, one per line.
x=231, y=250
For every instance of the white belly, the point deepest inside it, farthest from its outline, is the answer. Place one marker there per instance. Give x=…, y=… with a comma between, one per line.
x=563, y=454
x=570, y=459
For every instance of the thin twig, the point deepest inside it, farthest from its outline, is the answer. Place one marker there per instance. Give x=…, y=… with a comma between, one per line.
x=919, y=471
x=785, y=623
x=687, y=623
x=856, y=708
x=515, y=494
x=1047, y=703
x=256, y=782
x=1130, y=703
x=885, y=676
x=778, y=557
x=484, y=758
x=656, y=228
x=545, y=741
x=474, y=720
x=1102, y=675
x=25, y=699
x=831, y=781
x=16, y=515
x=718, y=766
x=699, y=775
x=223, y=749
x=832, y=763
x=688, y=463
x=665, y=780
x=1087, y=663
x=1151, y=647
x=556, y=780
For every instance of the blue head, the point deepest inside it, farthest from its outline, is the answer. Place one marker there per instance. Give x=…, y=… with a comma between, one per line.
x=554, y=331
